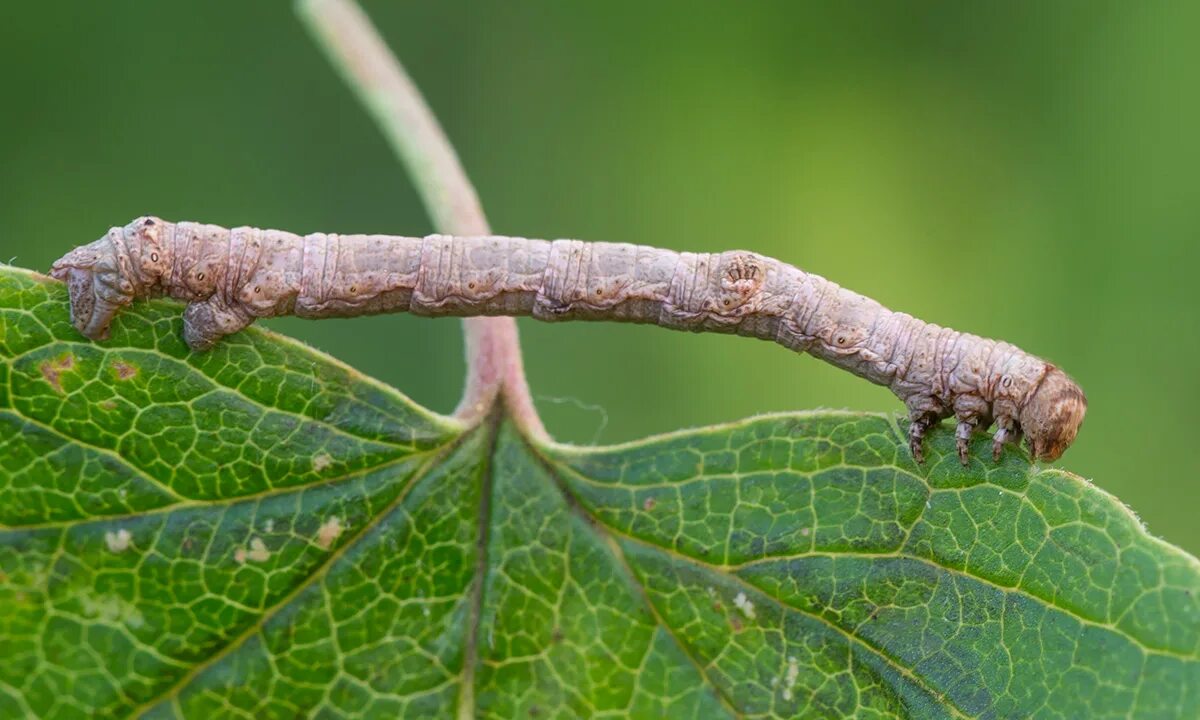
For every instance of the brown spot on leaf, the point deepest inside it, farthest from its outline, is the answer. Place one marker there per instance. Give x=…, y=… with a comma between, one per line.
x=649, y=504
x=124, y=370
x=321, y=462
x=52, y=370
x=735, y=622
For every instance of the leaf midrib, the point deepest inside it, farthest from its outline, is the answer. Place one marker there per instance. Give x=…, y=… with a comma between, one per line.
x=466, y=696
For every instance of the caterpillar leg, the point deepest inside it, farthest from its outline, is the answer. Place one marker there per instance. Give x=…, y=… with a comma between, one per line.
x=204, y=323
x=971, y=412
x=1006, y=432
x=921, y=422
x=924, y=413
x=962, y=436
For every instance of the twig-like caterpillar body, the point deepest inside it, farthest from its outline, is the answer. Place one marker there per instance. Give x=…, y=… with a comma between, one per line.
x=232, y=277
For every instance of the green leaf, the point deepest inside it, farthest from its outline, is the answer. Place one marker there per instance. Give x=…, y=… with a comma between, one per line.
x=259, y=531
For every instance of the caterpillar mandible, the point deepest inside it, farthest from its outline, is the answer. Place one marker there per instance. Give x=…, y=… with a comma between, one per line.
x=229, y=278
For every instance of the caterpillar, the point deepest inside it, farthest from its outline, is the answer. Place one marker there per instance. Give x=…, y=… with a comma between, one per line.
x=230, y=278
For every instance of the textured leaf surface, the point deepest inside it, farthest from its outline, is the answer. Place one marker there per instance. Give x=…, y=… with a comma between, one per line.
x=261, y=532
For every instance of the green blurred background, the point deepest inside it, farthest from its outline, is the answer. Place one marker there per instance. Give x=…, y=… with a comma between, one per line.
x=1021, y=170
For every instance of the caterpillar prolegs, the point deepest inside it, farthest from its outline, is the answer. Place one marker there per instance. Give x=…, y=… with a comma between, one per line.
x=232, y=277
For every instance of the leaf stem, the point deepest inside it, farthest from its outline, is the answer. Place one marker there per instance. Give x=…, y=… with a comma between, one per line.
x=343, y=30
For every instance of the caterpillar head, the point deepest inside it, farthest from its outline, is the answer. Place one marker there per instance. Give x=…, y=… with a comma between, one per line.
x=105, y=275
x=1051, y=417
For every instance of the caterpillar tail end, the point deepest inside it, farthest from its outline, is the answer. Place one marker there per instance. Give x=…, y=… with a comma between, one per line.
x=96, y=288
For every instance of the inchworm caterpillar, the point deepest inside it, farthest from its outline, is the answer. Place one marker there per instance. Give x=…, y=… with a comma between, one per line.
x=232, y=277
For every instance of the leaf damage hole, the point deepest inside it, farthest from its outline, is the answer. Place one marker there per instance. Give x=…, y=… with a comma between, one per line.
x=118, y=541
x=258, y=552
x=743, y=603
x=329, y=532
x=789, y=680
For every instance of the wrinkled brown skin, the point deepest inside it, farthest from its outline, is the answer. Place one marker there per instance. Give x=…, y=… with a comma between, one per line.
x=232, y=277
